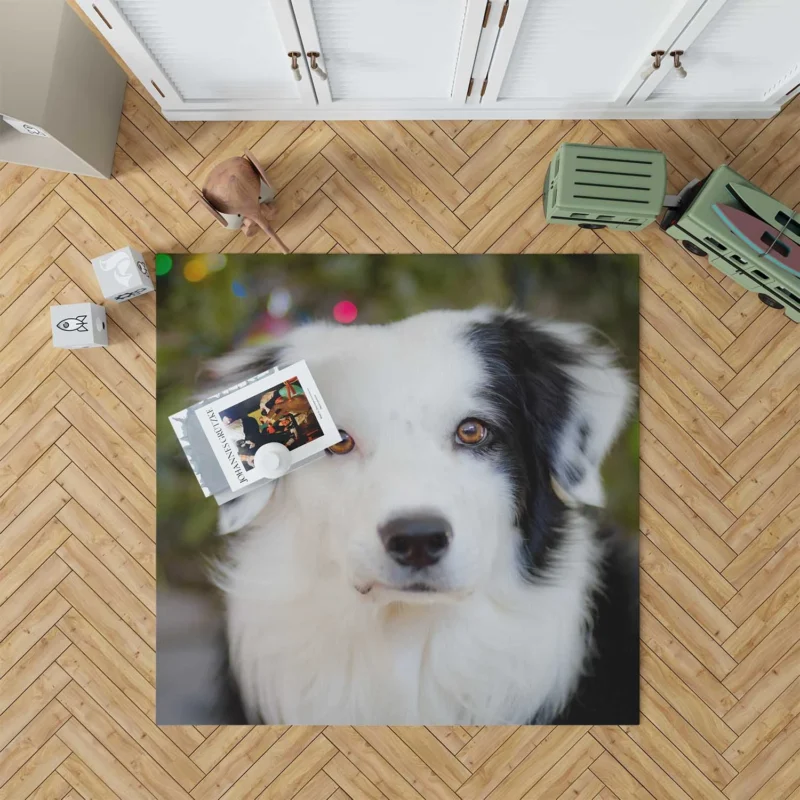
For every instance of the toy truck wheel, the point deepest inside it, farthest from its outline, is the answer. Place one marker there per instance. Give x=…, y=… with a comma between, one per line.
x=592, y=226
x=769, y=301
x=693, y=248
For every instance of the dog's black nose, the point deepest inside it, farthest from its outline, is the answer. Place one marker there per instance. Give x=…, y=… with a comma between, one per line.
x=416, y=541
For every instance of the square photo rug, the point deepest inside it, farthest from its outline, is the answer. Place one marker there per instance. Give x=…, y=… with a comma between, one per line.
x=398, y=489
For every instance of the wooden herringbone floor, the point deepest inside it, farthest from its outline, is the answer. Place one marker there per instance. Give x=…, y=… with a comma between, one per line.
x=720, y=507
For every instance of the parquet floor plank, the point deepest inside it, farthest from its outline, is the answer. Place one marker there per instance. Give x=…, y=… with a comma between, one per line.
x=38, y=717
x=387, y=202
x=233, y=759
x=292, y=159
x=31, y=266
x=684, y=412
x=12, y=176
x=244, y=135
x=502, y=144
x=346, y=233
x=475, y=134
x=84, y=781
x=692, y=635
x=30, y=231
x=768, y=615
x=31, y=593
x=107, y=515
x=24, y=199
x=702, y=140
x=31, y=556
x=670, y=323
x=24, y=420
x=110, y=479
x=426, y=168
x=683, y=157
x=163, y=135
x=112, y=664
x=537, y=146
x=391, y=169
x=770, y=723
x=452, y=127
x=437, y=143
x=112, y=627
x=681, y=736
x=679, y=587
x=153, y=198
x=720, y=474
x=789, y=191
x=769, y=139
x=209, y=135
x=109, y=771
x=695, y=277
x=153, y=162
x=681, y=554
x=98, y=577
x=687, y=703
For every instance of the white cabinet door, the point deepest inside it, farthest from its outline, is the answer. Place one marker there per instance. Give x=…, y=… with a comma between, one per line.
x=747, y=51
x=208, y=54
x=578, y=53
x=385, y=54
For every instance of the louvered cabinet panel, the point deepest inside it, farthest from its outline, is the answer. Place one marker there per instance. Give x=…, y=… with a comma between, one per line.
x=450, y=59
x=576, y=50
x=231, y=53
x=383, y=52
x=750, y=49
x=229, y=50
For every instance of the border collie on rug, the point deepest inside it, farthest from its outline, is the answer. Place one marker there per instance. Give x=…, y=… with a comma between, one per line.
x=443, y=566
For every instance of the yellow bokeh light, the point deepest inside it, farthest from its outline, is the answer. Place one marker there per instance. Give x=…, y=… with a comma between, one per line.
x=195, y=270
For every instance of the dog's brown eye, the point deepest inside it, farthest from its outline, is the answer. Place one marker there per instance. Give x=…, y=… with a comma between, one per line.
x=345, y=446
x=471, y=432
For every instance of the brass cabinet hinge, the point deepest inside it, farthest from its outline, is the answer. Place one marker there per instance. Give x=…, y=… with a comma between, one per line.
x=486, y=13
x=503, y=15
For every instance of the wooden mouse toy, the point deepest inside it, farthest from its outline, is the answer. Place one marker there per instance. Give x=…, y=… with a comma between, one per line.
x=238, y=195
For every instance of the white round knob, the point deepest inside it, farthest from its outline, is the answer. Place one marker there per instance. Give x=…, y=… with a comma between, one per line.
x=272, y=460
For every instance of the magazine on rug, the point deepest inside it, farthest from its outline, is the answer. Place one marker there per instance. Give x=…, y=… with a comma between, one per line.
x=221, y=435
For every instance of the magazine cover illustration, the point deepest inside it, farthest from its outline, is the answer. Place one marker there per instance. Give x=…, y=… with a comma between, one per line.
x=285, y=407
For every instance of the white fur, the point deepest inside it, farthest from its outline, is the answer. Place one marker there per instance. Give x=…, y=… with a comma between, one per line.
x=603, y=399
x=307, y=646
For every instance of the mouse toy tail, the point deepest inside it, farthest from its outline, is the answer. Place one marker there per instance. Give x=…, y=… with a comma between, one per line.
x=270, y=231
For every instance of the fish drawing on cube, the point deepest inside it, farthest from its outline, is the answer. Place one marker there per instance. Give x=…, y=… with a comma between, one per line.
x=79, y=325
x=122, y=274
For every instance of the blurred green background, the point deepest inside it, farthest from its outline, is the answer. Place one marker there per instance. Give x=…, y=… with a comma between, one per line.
x=209, y=304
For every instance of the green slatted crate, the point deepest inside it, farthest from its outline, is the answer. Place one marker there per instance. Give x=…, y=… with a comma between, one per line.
x=605, y=187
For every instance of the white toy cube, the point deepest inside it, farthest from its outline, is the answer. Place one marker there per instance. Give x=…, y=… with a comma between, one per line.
x=78, y=325
x=122, y=274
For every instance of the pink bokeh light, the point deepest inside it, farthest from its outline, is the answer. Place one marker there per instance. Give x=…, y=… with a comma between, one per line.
x=345, y=312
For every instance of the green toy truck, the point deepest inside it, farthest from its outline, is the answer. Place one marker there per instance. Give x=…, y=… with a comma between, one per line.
x=702, y=232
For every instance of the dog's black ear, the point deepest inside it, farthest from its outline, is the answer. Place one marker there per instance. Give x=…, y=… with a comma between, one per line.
x=564, y=396
x=599, y=400
x=216, y=376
